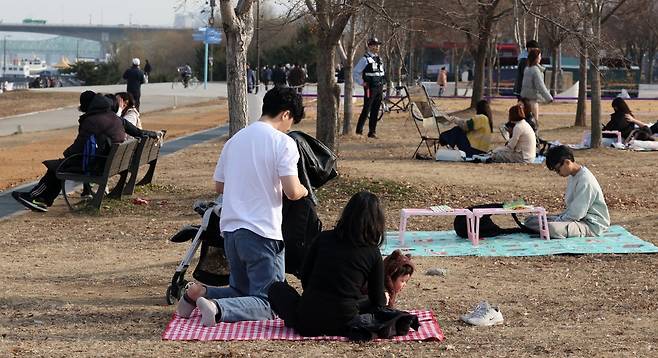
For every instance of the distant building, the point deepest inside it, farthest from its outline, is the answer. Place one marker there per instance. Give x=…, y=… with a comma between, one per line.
x=186, y=20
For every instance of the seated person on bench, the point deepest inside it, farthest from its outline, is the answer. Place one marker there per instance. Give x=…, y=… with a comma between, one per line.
x=522, y=147
x=586, y=213
x=97, y=120
x=472, y=136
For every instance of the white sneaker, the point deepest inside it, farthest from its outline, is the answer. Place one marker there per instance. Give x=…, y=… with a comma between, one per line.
x=484, y=315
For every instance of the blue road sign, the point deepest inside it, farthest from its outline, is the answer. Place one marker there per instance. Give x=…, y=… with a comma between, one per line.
x=207, y=35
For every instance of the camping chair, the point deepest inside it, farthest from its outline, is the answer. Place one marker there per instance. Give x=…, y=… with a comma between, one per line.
x=427, y=126
x=401, y=100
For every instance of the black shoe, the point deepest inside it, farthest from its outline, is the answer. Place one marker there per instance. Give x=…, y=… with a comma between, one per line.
x=372, y=135
x=359, y=132
x=33, y=204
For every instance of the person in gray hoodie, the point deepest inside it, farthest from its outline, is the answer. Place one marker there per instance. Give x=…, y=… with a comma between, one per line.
x=586, y=212
x=533, y=87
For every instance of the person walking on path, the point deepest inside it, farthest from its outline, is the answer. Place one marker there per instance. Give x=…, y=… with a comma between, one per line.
x=369, y=73
x=147, y=71
x=263, y=159
x=534, y=88
x=266, y=76
x=251, y=79
x=297, y=78
x=279, y=76
x=442, y=80
x=134, y=79
x=97, y=121
x=522, y=64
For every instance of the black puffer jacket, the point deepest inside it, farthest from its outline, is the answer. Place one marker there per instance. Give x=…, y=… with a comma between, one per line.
x=618, y=122
x=316, y=166
x=99, y=121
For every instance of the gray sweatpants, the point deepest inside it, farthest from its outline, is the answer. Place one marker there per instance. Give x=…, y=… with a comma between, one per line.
x=561, y=229
x=506, y=155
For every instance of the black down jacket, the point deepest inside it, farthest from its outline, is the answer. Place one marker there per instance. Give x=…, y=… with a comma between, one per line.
x=316, y=166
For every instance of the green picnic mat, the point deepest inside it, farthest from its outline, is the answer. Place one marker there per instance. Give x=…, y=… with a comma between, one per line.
x=446, y=243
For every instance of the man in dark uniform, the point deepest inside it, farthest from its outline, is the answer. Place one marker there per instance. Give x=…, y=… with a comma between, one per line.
x=369, y=73
x=134, y=79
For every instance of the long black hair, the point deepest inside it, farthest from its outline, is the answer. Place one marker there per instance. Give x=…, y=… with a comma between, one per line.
x=482, y=107
x=362, y=221
x=620, y=106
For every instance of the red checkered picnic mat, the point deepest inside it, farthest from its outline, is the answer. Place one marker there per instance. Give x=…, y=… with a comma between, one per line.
x=181, y=329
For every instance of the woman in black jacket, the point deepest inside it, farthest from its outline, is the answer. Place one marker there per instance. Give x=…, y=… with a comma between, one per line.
x=621, y=120
x=339, y=263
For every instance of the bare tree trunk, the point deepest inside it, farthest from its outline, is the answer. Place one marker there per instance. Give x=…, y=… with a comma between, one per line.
x=581, y=106
x=236, y=72
x=238, y=25
x=478, y=71
x=554, y=70
x=348, y=106
x=652, y=63
x=326, y=106
x=560, y=73
x=596, y=77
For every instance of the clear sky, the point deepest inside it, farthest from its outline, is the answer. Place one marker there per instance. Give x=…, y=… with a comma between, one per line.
x=106, y=12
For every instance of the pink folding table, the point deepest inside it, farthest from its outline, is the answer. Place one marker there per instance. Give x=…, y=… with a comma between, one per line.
x=536, y=210
x=407, y=213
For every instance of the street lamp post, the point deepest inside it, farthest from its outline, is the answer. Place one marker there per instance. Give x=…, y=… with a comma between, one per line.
x=4, y=57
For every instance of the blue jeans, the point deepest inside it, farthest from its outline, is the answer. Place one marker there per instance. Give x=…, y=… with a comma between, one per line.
x=255, y=263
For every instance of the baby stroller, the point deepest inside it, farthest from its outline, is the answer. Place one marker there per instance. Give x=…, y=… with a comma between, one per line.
x=316, y=166
x=212, y=268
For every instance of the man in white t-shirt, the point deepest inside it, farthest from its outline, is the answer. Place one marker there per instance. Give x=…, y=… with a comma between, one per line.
x=256, y=167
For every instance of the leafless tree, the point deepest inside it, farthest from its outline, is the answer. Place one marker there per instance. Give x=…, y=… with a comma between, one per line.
x=238, y=25
x=348, y=46
x=595, y=12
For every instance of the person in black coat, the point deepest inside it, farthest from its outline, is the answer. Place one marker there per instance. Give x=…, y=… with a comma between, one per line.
x=339, y=263
x=134, y=79
x=279, y=76
x=621, y=120
x=98, y=120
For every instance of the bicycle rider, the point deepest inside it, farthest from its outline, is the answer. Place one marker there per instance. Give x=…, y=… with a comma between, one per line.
x=186, y=74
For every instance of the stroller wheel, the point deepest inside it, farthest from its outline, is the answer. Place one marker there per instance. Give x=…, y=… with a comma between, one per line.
x=172, y=295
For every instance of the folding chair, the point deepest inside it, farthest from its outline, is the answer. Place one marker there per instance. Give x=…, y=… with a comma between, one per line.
x=427, y=126
x=401, y=100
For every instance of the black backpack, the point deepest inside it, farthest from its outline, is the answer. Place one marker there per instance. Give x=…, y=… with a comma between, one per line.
x=488, y=228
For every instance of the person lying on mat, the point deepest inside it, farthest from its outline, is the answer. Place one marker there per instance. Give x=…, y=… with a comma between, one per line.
x=338, y=264
x=398, y=269
x=472, y=136
x=522, y=147
x=586, y=212
x=256, y=166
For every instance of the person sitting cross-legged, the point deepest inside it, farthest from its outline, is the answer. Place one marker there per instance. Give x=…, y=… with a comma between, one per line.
x=586, y=212
x=522, y=146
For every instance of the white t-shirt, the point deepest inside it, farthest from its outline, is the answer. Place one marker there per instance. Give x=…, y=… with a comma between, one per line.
x=250, y=166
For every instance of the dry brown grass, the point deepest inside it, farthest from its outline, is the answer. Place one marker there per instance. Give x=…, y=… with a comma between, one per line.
x=23, y=101
x=81, y=285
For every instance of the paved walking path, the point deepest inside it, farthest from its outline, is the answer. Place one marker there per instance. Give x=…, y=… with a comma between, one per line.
x=9, y=207
x=155, y=97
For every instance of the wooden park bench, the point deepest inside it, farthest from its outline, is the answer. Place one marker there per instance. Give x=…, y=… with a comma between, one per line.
x=117, y=162
x=147, y=152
